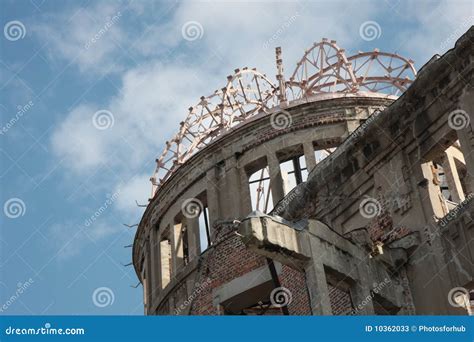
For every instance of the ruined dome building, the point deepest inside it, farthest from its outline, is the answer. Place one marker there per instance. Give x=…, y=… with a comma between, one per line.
x=346, y=188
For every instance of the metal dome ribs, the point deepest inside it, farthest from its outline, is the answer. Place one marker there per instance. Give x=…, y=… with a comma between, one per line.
x=246, y=93
x=324, y=68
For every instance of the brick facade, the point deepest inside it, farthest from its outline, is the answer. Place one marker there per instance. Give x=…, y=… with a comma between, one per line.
x=228, y=259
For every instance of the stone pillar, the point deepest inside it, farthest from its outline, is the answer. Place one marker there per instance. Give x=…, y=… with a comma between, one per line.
x=432, y=194
x=166, y=254
x=360, y=291
x=177, y=243
x=309, y=156
x=315, y=273
x=276, y=181
x=194, y=244
x=317, y=287
x=147, y=283
x=230, y=191
x=466, y=136
x=466, y=140
x=245, y=199
x=155, y=276
x=213, y=200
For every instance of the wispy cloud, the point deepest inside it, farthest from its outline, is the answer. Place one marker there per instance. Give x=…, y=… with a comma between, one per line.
x=70, y=240
x=89, y=38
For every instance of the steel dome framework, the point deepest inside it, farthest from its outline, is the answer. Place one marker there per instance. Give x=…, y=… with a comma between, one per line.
x=324, y=68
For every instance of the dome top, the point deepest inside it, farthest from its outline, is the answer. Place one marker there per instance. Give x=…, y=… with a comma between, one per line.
x=323, y=69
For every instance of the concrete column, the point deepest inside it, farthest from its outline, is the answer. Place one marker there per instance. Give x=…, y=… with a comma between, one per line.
x=466, y=136
x=317, y=287
x=432, y=193
x=172, y=305
x=155, y=276
x=360, y=291
x=178, y=254
x=466, y=140
x=166, y=254
x=194, y=244
x=147, y=283
x=276, y=181
x=213, y=200
x=309, y=156
x=145, y=287
x=245, y=199
x=315, y=273
x=230, y=191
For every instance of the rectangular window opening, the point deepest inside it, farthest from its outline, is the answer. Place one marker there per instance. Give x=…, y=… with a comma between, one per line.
x=260, y=190
x=165, y=258
x=293, y=172
x=448, y=171
x=323, y=153
x=181, y=247
x=204, y=229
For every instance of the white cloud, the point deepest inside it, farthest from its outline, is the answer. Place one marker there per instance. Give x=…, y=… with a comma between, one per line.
x=69, y=239
x=88, y=37
x=245, y=34
x=152, y=100
x=77, y=140
x=437, y=26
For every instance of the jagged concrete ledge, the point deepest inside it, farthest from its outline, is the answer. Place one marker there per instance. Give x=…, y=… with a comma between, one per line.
x=275, y=240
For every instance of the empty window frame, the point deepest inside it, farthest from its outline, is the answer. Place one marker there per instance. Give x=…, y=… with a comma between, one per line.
x=293, y=172
x=323, y=153
x=181, y=247
x=165, y=258
x=204, y=229
x=439, y=178
x=260, y=190
x=449, y=174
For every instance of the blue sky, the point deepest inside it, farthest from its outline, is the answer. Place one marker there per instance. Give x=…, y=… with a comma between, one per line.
x=131, y=63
